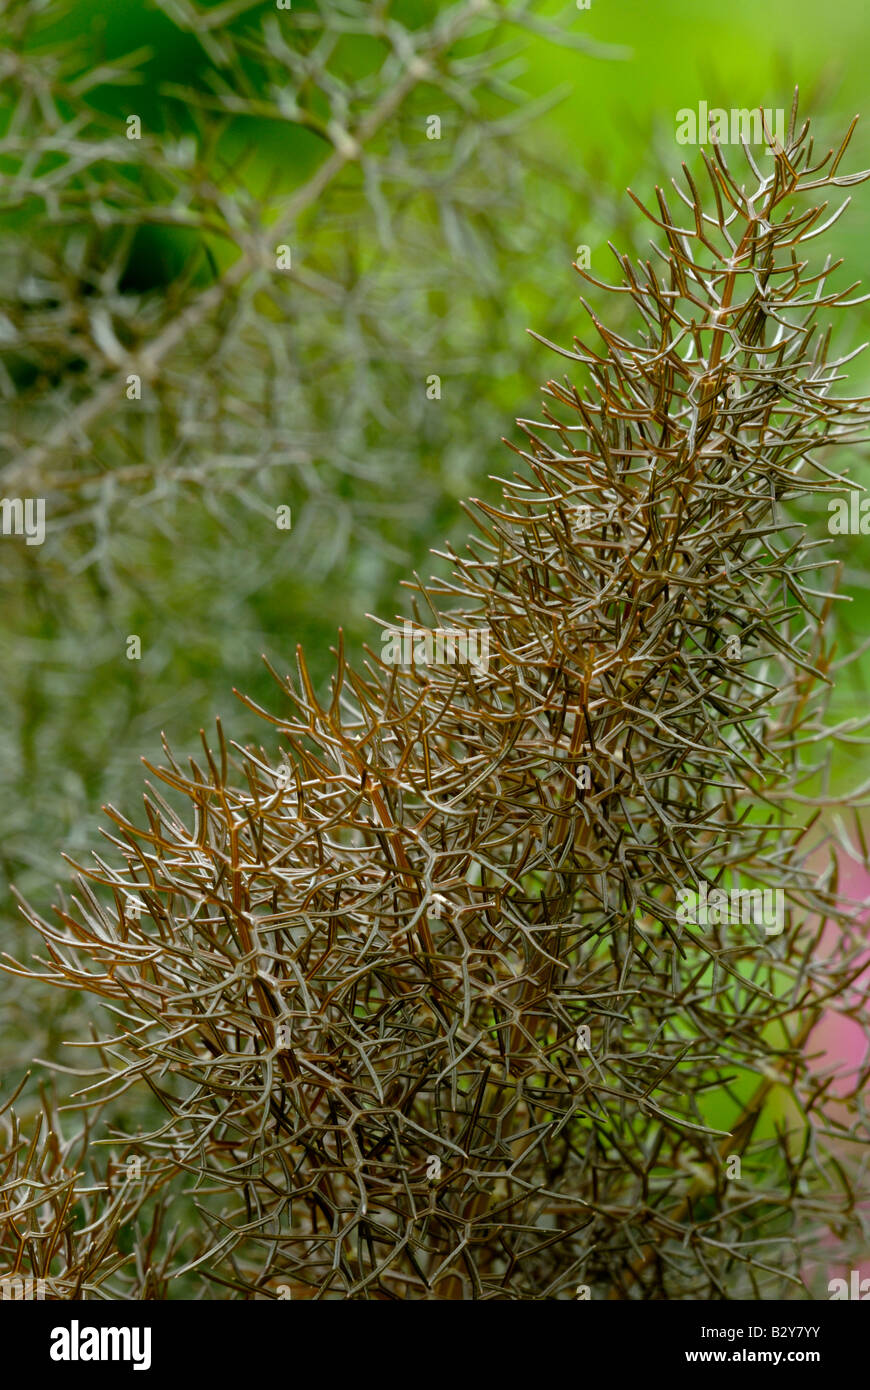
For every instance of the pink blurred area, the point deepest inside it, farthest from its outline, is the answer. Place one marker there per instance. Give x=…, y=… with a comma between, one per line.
x=840, y=1043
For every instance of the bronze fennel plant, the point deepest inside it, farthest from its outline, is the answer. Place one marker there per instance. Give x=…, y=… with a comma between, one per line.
x=416, y=998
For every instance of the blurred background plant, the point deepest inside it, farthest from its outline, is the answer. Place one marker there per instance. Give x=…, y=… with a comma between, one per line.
x=412, y=258
x=311, y=389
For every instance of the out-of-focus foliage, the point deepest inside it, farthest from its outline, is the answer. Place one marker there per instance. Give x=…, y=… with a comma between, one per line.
x=261, y=387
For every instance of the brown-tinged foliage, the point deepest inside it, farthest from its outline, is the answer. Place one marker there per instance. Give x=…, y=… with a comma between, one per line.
x=380, y=947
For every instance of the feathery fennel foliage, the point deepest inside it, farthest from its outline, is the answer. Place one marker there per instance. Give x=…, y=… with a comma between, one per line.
x=415, y=992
